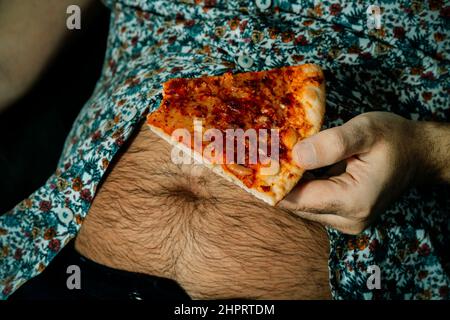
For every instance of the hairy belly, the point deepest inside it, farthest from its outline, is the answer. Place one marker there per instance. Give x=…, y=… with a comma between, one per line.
x=185, y=223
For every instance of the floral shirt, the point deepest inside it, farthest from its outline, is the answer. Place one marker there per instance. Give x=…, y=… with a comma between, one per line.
x=398, y=63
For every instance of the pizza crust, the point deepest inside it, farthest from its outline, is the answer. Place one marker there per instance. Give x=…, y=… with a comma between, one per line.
x=311, y=96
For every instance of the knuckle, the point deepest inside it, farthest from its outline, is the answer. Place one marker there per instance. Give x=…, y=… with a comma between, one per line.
x=364, y=214
x=349, y=204
x=362, y=210
x=360, y=223
x=339, y=142
x=365, y=130
x=357, y=228
x=369, y=128
x=365, y=120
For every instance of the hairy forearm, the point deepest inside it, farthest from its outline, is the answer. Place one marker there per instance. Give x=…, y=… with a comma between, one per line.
x=433, y=146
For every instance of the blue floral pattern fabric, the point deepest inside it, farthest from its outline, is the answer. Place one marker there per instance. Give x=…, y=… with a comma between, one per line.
x=402, y=67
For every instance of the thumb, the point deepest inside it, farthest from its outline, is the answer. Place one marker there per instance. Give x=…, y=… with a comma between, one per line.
x=332, y=145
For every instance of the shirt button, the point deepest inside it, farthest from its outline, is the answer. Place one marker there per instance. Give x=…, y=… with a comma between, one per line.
x=245, y=61
x=263, y=4
x=65, y=215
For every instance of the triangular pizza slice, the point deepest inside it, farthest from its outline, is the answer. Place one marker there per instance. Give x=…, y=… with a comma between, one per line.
x=243, y=126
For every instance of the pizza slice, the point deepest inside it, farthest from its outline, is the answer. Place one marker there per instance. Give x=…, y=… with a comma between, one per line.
x=244, y=126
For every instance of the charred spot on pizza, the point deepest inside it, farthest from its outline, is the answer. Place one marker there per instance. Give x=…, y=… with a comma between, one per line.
x=288, y=100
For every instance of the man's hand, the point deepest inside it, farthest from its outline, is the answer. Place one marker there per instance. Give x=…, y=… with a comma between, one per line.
x=375, y=157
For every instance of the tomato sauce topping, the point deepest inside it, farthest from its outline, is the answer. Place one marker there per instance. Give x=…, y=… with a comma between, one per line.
x=253, y=100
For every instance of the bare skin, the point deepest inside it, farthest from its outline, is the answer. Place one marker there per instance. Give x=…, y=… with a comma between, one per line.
x=31, y=32
x=185, y=223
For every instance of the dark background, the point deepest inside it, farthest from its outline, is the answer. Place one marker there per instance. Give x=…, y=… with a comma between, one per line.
x=33, y=130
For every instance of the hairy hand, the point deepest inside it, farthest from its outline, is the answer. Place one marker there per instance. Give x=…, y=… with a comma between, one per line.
x=375, y=156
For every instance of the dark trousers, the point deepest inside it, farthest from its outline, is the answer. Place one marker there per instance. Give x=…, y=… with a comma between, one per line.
x=97, y=281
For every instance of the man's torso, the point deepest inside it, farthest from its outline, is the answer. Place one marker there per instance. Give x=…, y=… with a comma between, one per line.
x=185, y=223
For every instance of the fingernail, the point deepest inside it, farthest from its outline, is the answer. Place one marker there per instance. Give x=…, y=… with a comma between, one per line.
x=304, y=154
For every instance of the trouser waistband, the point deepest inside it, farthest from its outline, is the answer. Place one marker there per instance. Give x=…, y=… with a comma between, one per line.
x=90, y=280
